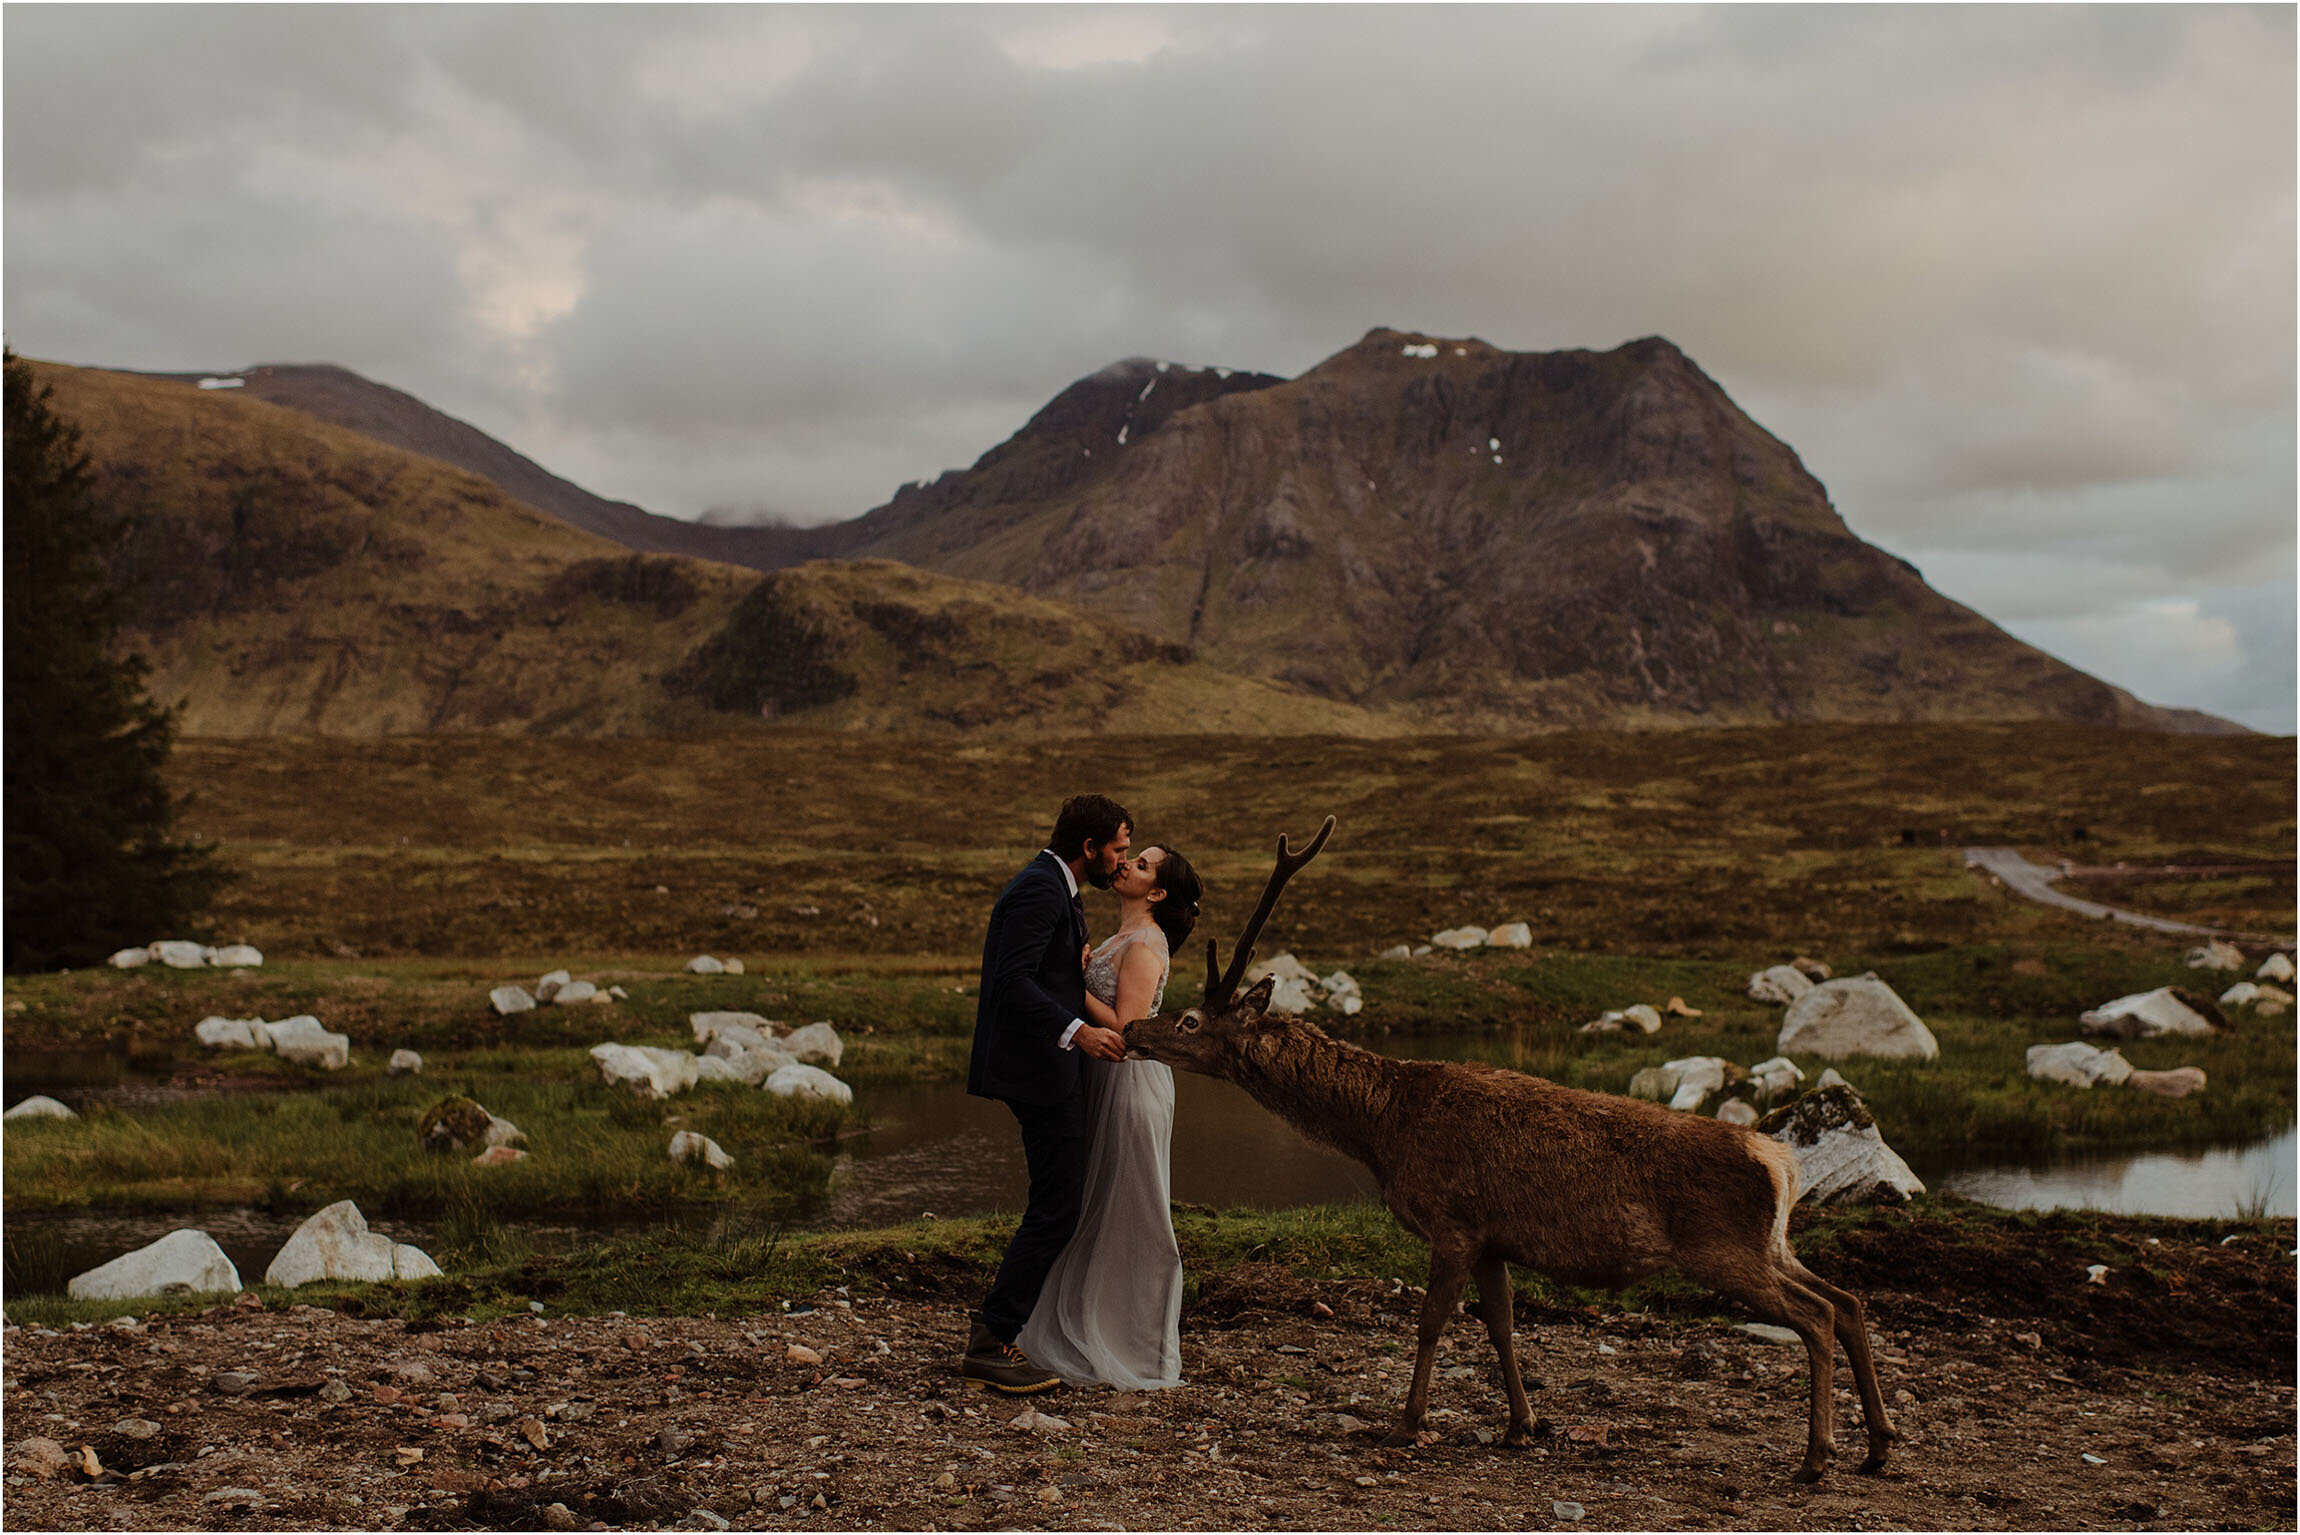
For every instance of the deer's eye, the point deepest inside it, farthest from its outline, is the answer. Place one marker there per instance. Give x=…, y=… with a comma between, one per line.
x=1190, y=1021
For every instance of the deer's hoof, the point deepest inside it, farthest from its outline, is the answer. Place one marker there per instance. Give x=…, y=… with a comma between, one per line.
x=1874, y=1465
x=1400, y=1439
x=1519, y=1436
x=1806, y=1476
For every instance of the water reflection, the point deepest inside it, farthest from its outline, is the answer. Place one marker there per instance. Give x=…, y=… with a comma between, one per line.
x=2212, y=1185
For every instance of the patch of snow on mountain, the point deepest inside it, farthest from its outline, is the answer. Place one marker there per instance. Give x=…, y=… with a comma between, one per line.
x=1425, y=349
x=1221, y=372
x=1146, y=388
x=223, y=383
x=1122, y=436
x=1493, y=444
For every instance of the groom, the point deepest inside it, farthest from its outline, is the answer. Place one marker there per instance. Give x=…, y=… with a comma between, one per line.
x=1029, y=1031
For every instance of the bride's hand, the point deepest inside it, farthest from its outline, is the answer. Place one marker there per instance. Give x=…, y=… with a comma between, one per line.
x=1086, y=956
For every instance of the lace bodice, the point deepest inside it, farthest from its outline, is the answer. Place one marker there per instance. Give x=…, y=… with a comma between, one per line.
x=1102, y=969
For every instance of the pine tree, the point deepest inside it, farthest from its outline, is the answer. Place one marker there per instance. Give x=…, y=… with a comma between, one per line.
x=90, y=865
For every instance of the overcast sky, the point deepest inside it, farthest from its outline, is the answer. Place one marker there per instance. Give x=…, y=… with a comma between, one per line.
x=2017, y=283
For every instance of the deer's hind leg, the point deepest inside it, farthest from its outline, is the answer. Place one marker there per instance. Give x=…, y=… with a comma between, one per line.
x=1853, y=1332
x=1774, y=1295
x=1493, y=1303
x=1448, y=1271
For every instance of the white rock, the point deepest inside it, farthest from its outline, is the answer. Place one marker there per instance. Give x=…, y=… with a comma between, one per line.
x=1292, y=998
x=2216, y=955
x=129, y=959
x=1459, y=938
x=573, y=992
x=1769, y=1332
x=2179, y=1082
x=233, y=1033
x=687, y=1146
x=1607, y=1022
x=238, y=956
x=548, y=986
x=181, y=1263
x=511, y=999
x=748, y=1066
x=1351, y=1005
x=1831, y=1077
x=732, y=966
x=1777, y=1078
x=502, y=1132
x=716, y=1068
x=1340, y=984
x=1697, y=1077
x=2270, y=994
x=405, y=1063
x=1840, y=1156
x=2146, y=1015
x=1855, y=1015
x=653, y=1072
x=2077, y=1064
x=817, y=1042
x=1419, y=950
x=1397, y=951
x=809, y=1082
x=1737, y=1111
x=1647, y=1020
x=747, y=1029
x=179, y=955
x=40, y=1106
x=703, y=964
x=2276, y=967
x=302, y=1040
x=1284, y=966
x=1782, y=983
x=207, y=954
x=336, y=1244
x=2239, y=994
x=1510, y=935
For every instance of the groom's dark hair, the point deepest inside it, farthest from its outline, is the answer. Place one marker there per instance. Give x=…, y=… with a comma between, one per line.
x=1086, y=818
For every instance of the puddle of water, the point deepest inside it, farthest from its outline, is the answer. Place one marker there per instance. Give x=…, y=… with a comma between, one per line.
x=2211, y=1185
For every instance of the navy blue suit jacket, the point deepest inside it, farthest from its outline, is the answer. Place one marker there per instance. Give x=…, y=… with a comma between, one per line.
x=1033, y=987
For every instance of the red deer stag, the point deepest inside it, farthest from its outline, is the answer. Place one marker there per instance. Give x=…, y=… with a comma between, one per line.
x=1492, y=1167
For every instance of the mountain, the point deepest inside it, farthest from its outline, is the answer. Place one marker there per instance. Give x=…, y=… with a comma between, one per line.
x=290, y=576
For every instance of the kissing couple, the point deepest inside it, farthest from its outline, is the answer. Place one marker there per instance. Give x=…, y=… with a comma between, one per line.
x=1090, y=1289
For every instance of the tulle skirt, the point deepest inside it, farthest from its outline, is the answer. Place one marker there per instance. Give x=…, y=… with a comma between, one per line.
x=1111, y=1310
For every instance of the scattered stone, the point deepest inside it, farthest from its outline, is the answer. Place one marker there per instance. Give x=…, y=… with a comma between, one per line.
x=1841, y=1158
x=1775, y=1080
x=1646, y=1019
x=238, y=956
x=706, y=1519
x=405, y=1063
x=41, y=1457
x=302, y=1040
x=735, y=966
x=1608, y=1022
x=234, y=1382
x=1563, y=1509
x=39, y=1106
x=2150, y=1014
x=1031, y=1420
x=1769, y=1332
x=703, y=964
x=573, y=992
x=336, y=1244
x=1510, y=935
x=135, y=1428
x=1419, y=950
x=619, y=992
x=1285, y=967
x=233, y=1033
x=1697, y=1077
x=547, y=989
x=1291, y=998
x=688, y=1146
x=1782, y=983
x=748, y=1031
x=2176, y=1083
x=236, y=1497
x=809, y=1082
x=454, y=1124
x=1678, y=1008
x=2096, y=1273
x=650, y=1071
x=2276, y=967
x=559, y=1516
x=334, y=1390
x=2213, y=954
x=1811, y=969
x=126, y=959
x=1397, y=951
x=184, y=1262
x=1831, y=1077
x=799, y=1353
x=2077, y=1064
x=177, y=954
x=818, y=1043
x=1459, y=938
x=1737, y=1111
x=507, y=1000
x=532, y=1430
x=1859, y=1015
x=2239, y=994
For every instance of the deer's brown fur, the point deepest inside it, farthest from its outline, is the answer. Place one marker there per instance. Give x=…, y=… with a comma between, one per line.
x=1493, y=1167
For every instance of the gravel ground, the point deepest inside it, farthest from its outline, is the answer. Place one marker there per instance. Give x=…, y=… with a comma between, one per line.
x=246, y=1418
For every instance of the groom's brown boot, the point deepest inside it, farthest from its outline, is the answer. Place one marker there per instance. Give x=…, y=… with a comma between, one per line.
x=1000, y=1366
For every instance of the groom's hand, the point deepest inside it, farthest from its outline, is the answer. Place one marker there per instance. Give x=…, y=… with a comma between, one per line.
x=1102, y=1044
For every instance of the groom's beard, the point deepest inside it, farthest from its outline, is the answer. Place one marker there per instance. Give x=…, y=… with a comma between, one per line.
x=1098, y=878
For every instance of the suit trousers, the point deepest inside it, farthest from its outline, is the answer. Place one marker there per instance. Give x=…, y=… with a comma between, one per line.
x=1054, y=1141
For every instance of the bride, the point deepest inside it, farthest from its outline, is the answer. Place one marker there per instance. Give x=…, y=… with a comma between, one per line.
x=1111, y=1309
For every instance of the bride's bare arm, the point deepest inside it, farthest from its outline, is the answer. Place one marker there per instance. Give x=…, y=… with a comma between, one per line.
x=1138, y=973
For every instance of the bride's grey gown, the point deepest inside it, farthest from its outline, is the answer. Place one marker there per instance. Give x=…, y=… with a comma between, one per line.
x=1112, y=1308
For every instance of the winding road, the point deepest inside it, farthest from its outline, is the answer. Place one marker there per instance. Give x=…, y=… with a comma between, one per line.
x=2035, y=882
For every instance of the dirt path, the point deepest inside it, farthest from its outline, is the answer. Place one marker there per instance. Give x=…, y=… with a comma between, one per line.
x=2069, y=1410
x=2034, y=881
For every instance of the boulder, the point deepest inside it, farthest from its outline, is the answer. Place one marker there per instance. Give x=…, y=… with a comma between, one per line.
x=499, y=1156
x=2276, y=967
x=2148, y=1014
x=548, y=986
x=817, y=1042
x=573, y=992
x=1782, y=983
x=233, y=1033
x=507, y=1000
x=703, y=964
x=1831, y=1077
x=1775, y=1080
x=336, y=1244
x=2077, y=1064
x=809, y=1082
x=1647, y=1020
x=1291, y=998
x=1510, y=935
x=405, y=1063
x=2215, y=955
x=2239, y=994
x=302, y=1040
x=1841, y=1159
x=1655, y=1084
x=1682, y=1085
x=129, y=959
x=458, y=1123
x=716, y=1068
x=1810, y=969
x=727, y=1060
x=649, y=1071
x=1608, y=1022
x=180, y=1263
x=2176, y=1083
x=1737, y=1111
x=687, y=1146
x=177, y=954
x=238, y=956
x=747, y=1029
x=1394, y=951
x=1284, y=966
x=40, y=1106
x=1859, y=1015
x=1340, y=984
x=1419, y=950
x=735, y=966
x=1459, y=938
x=1351, y=1004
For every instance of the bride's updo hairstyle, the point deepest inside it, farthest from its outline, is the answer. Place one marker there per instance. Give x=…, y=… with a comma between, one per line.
x=1178, y=913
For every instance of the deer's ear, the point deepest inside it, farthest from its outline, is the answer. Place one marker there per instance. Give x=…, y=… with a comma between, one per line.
x=1255, y=1001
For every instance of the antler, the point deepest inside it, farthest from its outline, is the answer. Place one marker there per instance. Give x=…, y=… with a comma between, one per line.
x=1219, y=992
